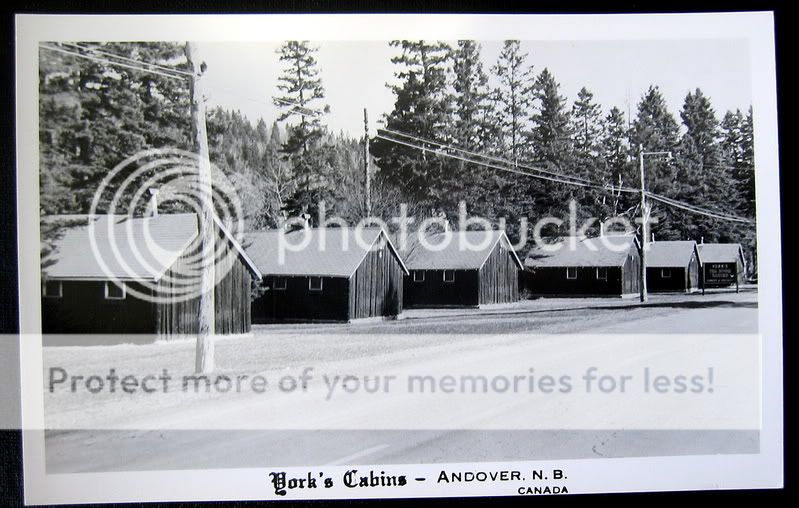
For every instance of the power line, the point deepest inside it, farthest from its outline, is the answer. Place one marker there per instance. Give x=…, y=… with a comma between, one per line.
x=494, y=166
x=657, y=197
x=103, y=60
x=494, y=158
x=124, y=58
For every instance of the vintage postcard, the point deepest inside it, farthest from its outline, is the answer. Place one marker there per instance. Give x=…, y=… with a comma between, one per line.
x=393, y=256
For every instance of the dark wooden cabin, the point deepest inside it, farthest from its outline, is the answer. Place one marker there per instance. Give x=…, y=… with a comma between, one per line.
x=473, y=268
x=722, y=264
x=581, y=267
x=340, y=274
x=672, y=266
x=135, y=277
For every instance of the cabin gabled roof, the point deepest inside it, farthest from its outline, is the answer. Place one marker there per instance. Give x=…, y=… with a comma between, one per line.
x=329, y=252
x=128, y=248
x=720, y=252
x=465, y=250
x=670, y=254
x=605, y=251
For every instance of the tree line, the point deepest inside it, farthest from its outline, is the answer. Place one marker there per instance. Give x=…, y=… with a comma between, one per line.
x=94, y=114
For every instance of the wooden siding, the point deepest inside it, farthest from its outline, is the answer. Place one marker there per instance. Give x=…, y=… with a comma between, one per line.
x=463, y=291
x=376, y=286
x=497, y=281
x=231, y=297
x=298, y=303
x=84, y=309
x=682, y=278
x=552, y=281
x=499, y=278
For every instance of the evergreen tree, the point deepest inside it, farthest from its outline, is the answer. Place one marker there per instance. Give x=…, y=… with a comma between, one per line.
x=474, y=127
x=304, y=149
x=95, y=114
x=551, y=141
x=654, y=129
x=421, y=109
x=613, y=162
x=513, y=98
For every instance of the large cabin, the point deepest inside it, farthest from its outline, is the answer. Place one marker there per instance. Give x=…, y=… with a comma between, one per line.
x=326, y=274
x=462, y=269
x=584, y=267
x=125, y=276
x=672, y=266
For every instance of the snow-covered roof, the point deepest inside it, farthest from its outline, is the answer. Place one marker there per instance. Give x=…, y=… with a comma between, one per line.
x=670, y=253
x=606, y=251
x=456, y=250
x=720, y=252
x=328, y=252
x=127, y=248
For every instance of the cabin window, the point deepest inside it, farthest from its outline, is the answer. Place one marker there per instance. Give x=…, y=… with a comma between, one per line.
x=418, y=275
x=52, y=289
x=114, y=291
x=602, y=274
x=315, y=283
x=449, y=275
x=665, y=273
x=571, y=272
x=279, y=283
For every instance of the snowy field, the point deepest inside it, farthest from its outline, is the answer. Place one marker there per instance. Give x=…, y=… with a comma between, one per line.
x=141, y=431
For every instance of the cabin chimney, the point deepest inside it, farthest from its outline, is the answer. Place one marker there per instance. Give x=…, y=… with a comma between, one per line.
x=306, y=217
x=702, y=240
x=446, y=225
x=653, y=237
x=153, y=202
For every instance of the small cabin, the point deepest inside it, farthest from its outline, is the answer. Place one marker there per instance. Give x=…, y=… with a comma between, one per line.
x=123, y=275
x=326, y=274
x=462, y=269
x=722, y=264
x=608, y=265
x=672, y=266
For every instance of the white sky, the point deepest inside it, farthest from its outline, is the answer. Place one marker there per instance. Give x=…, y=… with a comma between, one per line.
x=243, y=76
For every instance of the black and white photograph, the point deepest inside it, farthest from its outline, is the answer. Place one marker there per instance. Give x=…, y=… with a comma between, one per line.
x=348, y=256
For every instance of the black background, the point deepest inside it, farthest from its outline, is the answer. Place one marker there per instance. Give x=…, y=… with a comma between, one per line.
x=10, y=441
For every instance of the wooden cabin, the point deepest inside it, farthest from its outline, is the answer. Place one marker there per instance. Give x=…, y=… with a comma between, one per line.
x=339, y=274
x=722, y=264
x=136, y=277
x=581, y=267
x=672, y=266
x=471, y=269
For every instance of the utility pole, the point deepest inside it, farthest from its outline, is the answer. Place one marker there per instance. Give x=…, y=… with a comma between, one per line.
x=204, y=351
x=645, y=211
x=366, y=163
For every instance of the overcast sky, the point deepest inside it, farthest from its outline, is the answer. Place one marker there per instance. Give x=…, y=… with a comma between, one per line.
x=243, y=76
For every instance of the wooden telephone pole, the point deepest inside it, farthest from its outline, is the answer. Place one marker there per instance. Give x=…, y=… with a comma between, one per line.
x=204, y=352
x=644, y=223
x=366, y=163
x=645, y=211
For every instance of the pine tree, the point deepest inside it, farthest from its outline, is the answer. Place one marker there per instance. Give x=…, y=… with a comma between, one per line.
x=421, y=109
x=474, y=126
x=513, y=98
x=304, y=149
x=612, y=165
x=551, y=141
x=655, y=129
x=301, y=90
x=712, y=184
x=586, y=127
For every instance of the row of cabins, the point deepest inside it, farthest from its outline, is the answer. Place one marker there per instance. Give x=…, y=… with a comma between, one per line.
x=341, y=274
